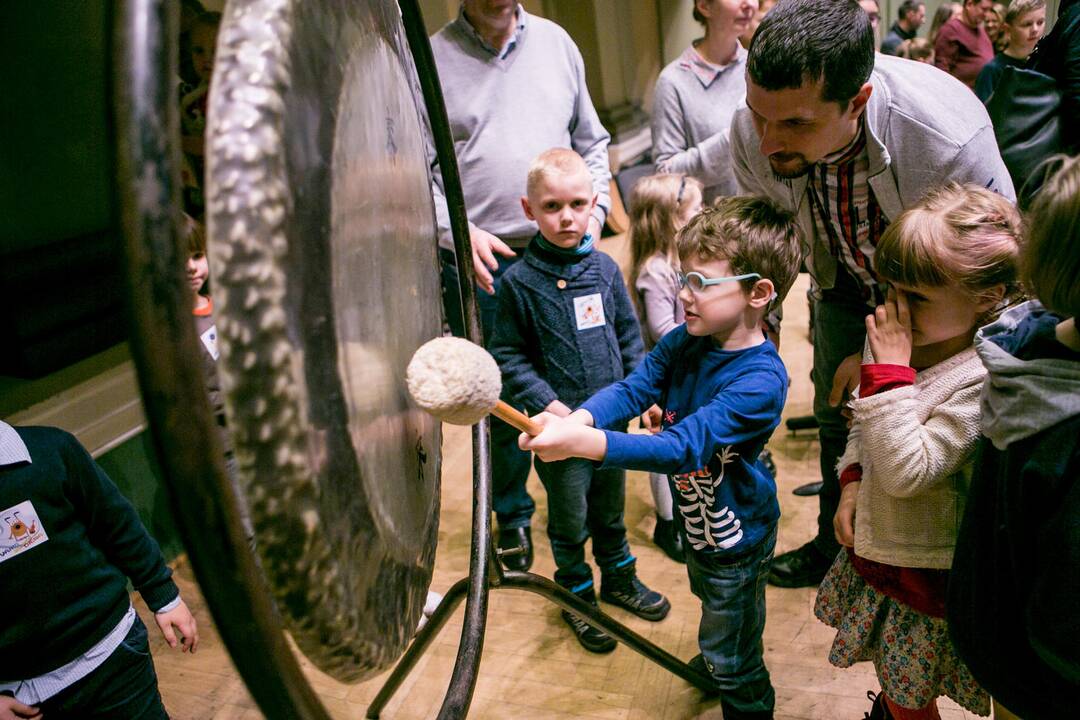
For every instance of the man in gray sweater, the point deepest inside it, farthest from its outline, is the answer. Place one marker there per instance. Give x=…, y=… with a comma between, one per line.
x=514, y=86
x=847, y=140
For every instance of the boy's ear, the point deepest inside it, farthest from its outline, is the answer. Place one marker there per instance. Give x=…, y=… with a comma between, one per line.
x=595, y=197
x=762, y=293
x=991, y=298
x=526, y=208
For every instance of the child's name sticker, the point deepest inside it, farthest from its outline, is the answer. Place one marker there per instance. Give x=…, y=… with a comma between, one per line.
x=20, y=530
x=209, y=340
x=589, y=311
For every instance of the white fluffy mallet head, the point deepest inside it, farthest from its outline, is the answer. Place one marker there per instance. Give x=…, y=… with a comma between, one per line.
x=455, y=380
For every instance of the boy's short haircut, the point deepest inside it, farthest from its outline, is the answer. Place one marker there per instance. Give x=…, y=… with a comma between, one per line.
x=563, y=161
x=1050, y=263
x=1017, y=8
x=192, y=235
x=802, y=42
x=752, y=234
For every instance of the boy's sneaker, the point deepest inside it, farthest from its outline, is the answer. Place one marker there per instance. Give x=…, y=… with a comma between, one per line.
x=590, y=637
x=621, y=587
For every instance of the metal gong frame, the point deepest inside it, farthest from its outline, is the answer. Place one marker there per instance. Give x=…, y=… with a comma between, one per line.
x=185, y=434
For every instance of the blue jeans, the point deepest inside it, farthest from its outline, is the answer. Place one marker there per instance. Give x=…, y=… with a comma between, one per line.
x=582, y=502
x=839, y=331
x=509, y=464
x=732, y=598
x=124, y=687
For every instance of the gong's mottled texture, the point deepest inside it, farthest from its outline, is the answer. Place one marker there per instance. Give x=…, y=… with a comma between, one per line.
x=455, y=380
x=323, y=259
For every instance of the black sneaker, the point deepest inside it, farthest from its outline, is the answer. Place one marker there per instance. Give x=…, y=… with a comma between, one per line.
x=621, y=587
x=590, y=637
x=667, y=538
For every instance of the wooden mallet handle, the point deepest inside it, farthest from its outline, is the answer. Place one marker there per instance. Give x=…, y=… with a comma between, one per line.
x=518, y=419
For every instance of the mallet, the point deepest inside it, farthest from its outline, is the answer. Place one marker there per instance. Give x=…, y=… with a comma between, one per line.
x=459, y=382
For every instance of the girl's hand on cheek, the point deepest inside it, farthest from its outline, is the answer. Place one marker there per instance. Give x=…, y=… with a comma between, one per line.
x=889, y=330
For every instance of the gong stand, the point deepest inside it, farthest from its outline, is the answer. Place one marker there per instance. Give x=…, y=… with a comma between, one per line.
x=485, y=571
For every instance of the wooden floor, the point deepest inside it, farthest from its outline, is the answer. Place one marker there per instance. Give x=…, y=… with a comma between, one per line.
x=532, y=667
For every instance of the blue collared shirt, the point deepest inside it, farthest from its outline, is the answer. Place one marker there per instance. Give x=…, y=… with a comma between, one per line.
x=463, y=21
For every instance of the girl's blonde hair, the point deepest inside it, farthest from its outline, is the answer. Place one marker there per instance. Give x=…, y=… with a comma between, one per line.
x=1050, y=264
x=959, y=235
x=655, y=204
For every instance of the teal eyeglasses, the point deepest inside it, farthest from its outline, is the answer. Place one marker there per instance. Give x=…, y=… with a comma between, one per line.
x=698, y=282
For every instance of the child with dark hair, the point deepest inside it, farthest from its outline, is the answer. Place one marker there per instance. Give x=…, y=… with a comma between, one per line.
x=1012, y=604
x=721, y=387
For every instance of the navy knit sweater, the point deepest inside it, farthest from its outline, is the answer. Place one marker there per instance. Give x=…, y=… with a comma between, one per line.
x=719, y=409
x=551, y=341
x=64, y=592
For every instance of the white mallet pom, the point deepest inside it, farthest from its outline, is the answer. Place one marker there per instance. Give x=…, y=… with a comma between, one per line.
x=453, y=379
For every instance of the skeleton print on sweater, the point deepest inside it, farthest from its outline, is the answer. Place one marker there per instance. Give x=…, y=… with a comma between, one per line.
x=707, y=527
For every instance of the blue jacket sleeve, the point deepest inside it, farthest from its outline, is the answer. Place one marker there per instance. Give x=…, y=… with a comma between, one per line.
x=744, y=409
x=522, y=382
x=627, y=327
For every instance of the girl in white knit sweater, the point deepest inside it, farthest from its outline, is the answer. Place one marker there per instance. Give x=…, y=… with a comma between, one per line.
x=659, y=206
x=951, y=261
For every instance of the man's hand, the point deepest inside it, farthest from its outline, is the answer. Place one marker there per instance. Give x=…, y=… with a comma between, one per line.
x=650, y=419
x=844, y=519
x=888, y=329
x=846, y=379
x=594, y=229
x=564, y=438
x=12, y=709
x=184, y=621
x=484, y=247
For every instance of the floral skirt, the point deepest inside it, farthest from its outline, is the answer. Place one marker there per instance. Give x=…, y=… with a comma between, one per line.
x=911, y=652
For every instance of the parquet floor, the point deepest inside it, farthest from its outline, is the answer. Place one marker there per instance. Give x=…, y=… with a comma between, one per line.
x=532, y=668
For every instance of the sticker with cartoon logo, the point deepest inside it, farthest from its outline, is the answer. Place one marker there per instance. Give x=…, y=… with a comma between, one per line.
x=589, y=311
x=705, y=527
x=20, y=531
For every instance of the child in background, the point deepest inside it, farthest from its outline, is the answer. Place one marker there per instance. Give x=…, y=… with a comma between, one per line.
x=722, y=386
x=951, y=260
x=917, y=49
x=198, y=273
x=566, y=328
x=659, y=206
x=1015, y=580
x=193, y=104
x=1023, y=27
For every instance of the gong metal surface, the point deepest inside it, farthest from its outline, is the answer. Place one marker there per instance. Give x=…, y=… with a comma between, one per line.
x=325, y=280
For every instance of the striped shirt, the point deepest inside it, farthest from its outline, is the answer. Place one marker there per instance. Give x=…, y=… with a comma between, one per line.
x=846, y=212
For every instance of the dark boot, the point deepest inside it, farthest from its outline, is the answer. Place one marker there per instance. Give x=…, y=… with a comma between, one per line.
x=516, y=548
x=620, y=586
x=590, y=637
x=803, y=567
x=667, y=538
x=879, y=710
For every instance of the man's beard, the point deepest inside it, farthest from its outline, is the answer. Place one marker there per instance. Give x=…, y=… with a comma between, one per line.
x=790, y=172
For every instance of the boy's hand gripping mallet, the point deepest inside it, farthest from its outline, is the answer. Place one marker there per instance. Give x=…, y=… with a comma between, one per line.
x=459, y=382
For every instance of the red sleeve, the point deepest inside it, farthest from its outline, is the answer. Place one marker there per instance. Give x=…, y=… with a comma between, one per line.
x=877, y=378
x=852, y=473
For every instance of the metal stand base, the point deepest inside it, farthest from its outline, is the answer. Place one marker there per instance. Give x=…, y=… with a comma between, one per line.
x=556, y=594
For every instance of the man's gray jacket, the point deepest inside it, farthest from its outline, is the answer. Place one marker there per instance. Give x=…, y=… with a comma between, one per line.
x=924, y=128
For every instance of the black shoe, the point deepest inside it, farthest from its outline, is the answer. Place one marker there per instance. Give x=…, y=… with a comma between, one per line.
x=767, y=460
x=621, y=587
x=808, y=489
x=804, y=567
x=510, y=539
x=590, y=637
x=802, y=422
x=879, y=710
x=667, y=538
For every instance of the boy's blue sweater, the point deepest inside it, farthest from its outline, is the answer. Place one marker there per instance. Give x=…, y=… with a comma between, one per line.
x=541, y=347
x=719, y=409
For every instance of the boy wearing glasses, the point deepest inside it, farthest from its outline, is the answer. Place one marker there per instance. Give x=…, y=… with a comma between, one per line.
x=565, y=329
x=720, y=387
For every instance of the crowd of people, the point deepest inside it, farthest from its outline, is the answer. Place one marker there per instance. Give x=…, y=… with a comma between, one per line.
x=946, y=358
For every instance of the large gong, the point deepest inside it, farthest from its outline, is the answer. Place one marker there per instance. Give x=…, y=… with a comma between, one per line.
x=324, y=278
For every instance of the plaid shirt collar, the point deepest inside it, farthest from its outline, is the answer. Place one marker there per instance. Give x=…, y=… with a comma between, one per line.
x=705, y=71
x=515, y=40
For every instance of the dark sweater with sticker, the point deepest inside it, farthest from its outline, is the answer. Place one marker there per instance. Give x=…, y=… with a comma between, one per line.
x=61, y=596
x=540, y=349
